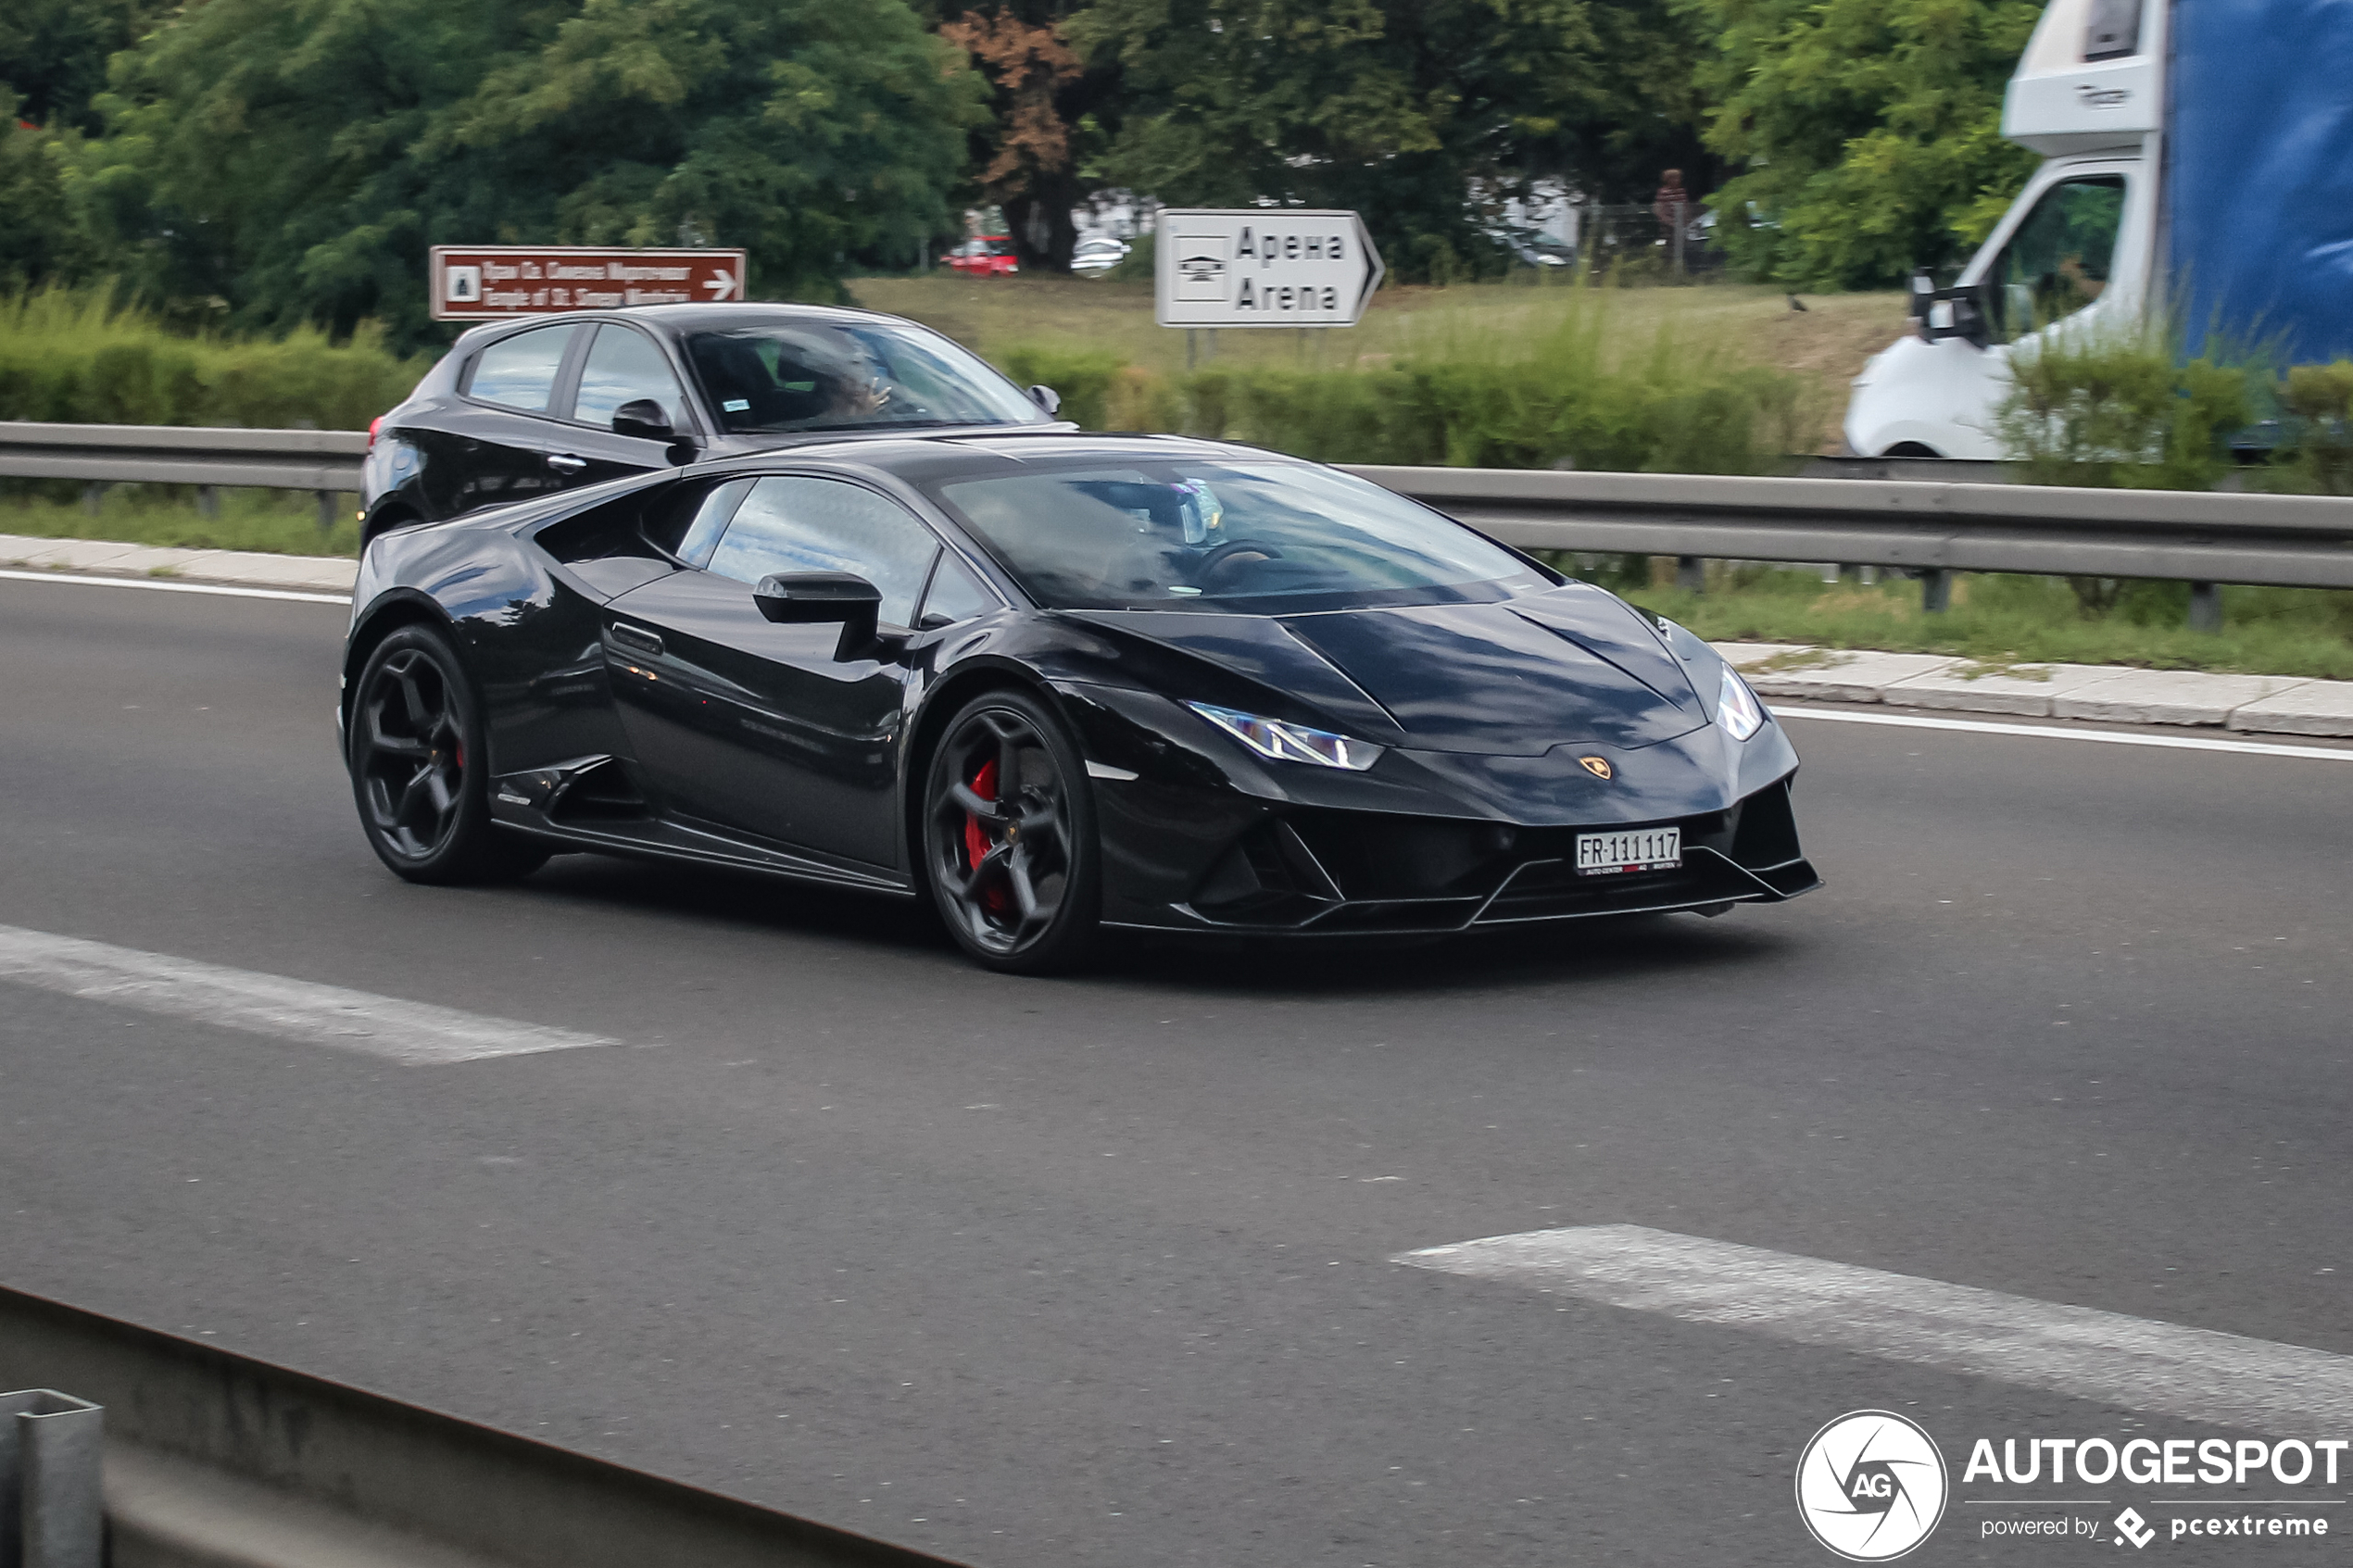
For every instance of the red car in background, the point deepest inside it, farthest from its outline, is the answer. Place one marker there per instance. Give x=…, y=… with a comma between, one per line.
x=992, y=256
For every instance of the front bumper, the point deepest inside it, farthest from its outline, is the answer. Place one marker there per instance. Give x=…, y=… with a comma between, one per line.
x=1198, y=838
x=1326, y=873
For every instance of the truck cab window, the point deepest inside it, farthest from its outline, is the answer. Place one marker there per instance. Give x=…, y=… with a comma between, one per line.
x=2057, y=262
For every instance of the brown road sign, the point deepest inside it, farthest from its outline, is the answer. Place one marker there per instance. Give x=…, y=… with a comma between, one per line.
x=492, y=283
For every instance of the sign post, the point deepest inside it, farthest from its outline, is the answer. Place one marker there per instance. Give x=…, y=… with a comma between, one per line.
x=493, y=283
x=1263, y=267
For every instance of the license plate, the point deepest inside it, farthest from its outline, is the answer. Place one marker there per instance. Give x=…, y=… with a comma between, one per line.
x=1645, y=849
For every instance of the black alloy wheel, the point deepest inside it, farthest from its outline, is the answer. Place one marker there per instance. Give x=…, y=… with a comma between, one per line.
x=1010, y=849
x=420, y=769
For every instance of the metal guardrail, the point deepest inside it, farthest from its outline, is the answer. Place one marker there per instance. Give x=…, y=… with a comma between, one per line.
x=270, y=459
x=1928, y=527
x=1931, y=526
x=212, y=1457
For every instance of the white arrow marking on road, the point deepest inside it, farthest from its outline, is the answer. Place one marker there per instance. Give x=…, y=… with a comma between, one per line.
x=2086, y=1354
x=413, y=1034
x=720, y=286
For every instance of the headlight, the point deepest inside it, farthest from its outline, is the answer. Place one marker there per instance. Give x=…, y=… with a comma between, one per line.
x=1279, y=742
x=1736, y=707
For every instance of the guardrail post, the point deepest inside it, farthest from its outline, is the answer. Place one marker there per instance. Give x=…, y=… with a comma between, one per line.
x=2206, y=607
x=1691, y=574
x=1936, y=590
x=52, y=1508
x=326, y=510
x=207, y=501
x=93, y=496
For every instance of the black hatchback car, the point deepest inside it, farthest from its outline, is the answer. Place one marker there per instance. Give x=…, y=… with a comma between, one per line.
x=519, y=410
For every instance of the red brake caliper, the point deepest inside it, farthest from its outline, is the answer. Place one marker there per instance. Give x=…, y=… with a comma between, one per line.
x=992, y=898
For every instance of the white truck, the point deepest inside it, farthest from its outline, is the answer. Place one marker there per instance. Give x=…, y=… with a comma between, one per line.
x=2198, y=174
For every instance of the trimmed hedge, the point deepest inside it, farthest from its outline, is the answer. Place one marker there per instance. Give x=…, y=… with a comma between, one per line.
x=78, y=358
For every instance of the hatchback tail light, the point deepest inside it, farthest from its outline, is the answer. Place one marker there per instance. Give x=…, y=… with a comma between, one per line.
x=373, y=426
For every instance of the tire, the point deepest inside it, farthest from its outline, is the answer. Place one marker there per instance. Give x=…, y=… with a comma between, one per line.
x=1017, y=882
x=420, y=768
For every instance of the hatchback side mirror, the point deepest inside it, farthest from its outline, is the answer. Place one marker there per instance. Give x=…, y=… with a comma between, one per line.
x=1046, y=397
x=644, y=419
x=803, y=598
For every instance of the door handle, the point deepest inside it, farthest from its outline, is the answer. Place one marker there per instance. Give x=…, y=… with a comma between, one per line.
x=564, y=463
x=638, y=638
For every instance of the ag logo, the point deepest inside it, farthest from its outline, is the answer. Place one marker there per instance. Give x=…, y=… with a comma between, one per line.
x=1871, y=1485
x=1597, y=766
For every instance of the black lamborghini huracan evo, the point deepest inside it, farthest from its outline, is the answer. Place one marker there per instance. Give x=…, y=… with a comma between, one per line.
x=1054, y=683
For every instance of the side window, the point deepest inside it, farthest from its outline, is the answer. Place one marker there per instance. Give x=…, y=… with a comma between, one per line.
x=623, y=367
x=798, y=523
x=2057, y=262
x=520, y=372
x=956, y=594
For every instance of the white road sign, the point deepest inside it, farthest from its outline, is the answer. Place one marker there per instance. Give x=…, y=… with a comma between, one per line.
x=1264, y=267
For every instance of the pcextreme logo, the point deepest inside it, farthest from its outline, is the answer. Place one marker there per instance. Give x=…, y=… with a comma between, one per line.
x=1871, y=1486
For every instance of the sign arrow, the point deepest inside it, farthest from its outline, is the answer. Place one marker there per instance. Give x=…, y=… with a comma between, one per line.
x=1264, y=267
x=720, y=286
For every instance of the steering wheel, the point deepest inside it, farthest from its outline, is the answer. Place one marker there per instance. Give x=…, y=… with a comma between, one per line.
x=1223, y=553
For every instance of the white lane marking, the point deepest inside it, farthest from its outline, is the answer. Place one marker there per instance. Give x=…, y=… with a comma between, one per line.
x=157, y=584
x=2051, y=732
x=413, y=1034
x=2079, y=1351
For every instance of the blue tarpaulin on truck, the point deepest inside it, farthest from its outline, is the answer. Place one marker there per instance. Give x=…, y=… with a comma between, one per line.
x=2259, y=190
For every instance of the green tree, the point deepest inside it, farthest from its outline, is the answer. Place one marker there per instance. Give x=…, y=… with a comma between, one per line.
x=1653, y=114
x=293, y=159
x=1865, y=134
x=42, y=238
x=1418, y=113
x=54, y=52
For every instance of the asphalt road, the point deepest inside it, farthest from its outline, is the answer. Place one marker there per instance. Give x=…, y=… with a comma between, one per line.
x=1098, y=1271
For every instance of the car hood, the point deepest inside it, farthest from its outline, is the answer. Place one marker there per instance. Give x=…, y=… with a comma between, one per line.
x=1513, y=678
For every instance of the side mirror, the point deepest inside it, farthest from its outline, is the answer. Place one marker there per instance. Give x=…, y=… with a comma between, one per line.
x=1046, y=397
x=803, y=598
x=644, y=419
x=1963, y=311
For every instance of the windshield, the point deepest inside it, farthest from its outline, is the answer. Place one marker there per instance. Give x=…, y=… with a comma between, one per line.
x=1260, y=536
x=825, y=375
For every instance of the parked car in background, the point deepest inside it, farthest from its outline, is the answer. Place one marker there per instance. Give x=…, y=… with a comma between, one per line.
x=1098, y=253
x=991, y=256
x=521, y=409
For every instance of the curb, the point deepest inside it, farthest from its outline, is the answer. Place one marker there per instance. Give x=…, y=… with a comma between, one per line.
x=2284, y=705
x=252, y=569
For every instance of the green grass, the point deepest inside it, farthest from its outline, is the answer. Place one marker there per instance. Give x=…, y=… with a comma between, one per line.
x=1739, y=325
x=283, y=522
x=2001, y=621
